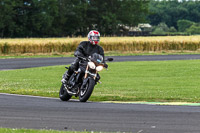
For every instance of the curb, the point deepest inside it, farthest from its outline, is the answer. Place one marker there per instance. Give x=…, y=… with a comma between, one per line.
x=157, y=103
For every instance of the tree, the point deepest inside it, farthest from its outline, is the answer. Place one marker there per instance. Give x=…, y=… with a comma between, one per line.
x=172, y=29
x=47, y=18
x=161, y=29
x=71, y=17
x=103, y=15
x=6, y=13
x=184, y=24
x=194, y=29
x=34, y=17
x=109, y=14
x=172, y=11
x=163, y=26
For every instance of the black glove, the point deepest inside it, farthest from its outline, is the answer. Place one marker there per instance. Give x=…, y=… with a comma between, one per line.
x=105, y=65
x=77, y=53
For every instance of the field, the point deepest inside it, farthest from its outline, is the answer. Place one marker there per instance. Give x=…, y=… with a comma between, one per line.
x=160, y=81
x=56, y=46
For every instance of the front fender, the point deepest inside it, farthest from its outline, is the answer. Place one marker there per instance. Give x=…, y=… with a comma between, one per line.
x=86, y=92
x=86, y=80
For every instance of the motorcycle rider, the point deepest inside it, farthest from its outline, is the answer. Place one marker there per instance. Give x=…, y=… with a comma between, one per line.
x=86, y=49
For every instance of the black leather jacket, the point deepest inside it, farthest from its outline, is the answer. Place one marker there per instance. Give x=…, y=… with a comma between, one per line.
x=86, y=49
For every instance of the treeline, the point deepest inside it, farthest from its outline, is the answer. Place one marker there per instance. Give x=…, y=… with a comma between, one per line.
x=61, y=18
x=57, y=18
x=174, y=16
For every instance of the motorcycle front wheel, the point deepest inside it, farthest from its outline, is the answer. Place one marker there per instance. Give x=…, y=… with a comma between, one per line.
x=86, y=92
x=64, y=96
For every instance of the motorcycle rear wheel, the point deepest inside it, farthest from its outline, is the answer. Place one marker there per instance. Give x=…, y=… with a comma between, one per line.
x=64, y=96
x=85, y=94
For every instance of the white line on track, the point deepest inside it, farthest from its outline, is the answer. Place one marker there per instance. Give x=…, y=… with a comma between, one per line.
x=18, y=95
x=146, y=103
x=27, y=96
x=6, y=69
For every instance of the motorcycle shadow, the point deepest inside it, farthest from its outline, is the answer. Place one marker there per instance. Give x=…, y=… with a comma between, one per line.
x=75, y=101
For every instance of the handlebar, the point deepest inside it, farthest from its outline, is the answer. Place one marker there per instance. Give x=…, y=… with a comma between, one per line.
x=82, y=58
x=88, y=59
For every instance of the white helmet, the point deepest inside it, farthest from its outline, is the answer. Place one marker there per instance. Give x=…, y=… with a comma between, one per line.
x=94, y=37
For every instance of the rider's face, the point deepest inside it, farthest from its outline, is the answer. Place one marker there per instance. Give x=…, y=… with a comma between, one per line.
x=95, y=38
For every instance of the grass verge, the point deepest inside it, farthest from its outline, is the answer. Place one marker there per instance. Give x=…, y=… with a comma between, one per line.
x=152, y=81
x=7, y=130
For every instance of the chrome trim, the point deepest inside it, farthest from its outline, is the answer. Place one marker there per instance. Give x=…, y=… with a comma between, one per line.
x=69, y=92
x=90, y=73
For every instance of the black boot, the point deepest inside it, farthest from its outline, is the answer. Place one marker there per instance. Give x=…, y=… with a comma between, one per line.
x=67, y=75
x=65, y=78
x=97, y=78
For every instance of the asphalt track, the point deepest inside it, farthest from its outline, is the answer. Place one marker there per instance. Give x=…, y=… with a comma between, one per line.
x=7, y=64
x=44, y=113
x=51, y=113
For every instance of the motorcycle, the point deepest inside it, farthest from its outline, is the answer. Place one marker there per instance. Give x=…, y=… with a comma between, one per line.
x=82, y=82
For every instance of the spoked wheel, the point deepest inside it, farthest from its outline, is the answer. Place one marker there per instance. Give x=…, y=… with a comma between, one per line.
x=64, y=96
x=86, y=92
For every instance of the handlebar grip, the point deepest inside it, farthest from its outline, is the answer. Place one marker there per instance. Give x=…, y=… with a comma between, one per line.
x=82, y=58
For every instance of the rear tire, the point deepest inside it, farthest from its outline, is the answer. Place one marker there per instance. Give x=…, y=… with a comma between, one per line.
x=64, y=96
x=85, y=94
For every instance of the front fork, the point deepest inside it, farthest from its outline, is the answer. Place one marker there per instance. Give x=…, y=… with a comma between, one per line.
x=87, y=74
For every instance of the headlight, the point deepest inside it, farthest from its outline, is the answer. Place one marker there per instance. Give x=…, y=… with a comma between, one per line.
x=91, y=65
x=99, y=68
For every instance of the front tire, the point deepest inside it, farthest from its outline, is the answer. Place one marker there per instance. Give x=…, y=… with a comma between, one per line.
x=64, y=96
x=85, y=94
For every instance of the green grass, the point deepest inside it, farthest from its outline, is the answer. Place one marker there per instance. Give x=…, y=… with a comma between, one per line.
x=6, y=130
x=153, y=81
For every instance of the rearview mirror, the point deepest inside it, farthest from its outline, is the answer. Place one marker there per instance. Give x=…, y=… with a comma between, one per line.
x=110, y=59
